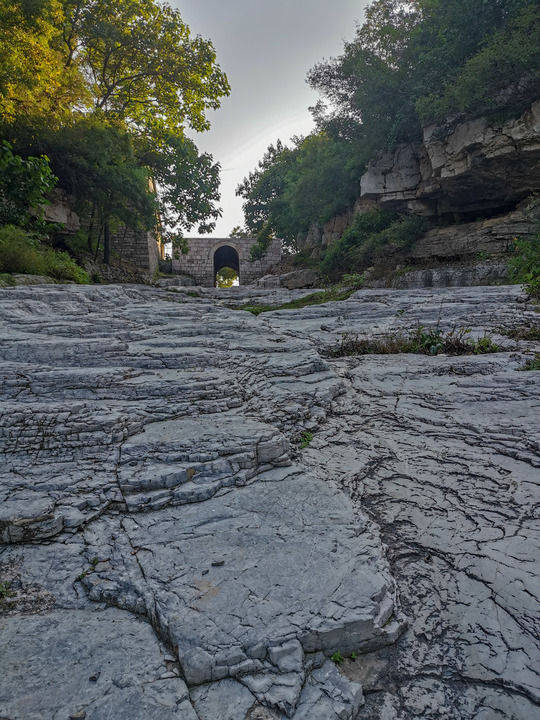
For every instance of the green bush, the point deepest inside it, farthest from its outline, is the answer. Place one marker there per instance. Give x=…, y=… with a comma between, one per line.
x=21, y=252
x=508, y=54
x=24, y=184
x=525, y=265
x=260, y=248
x=369, y=238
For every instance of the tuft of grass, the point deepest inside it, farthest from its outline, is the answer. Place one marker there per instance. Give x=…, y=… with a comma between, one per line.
x=337, y=657
x=5, y=590
x=6, y=280
x=523, y=332
x=424, y=341
x=93, y=562
x=533, y=363
x=525, y=266
x=305, y=440
x=333, y=294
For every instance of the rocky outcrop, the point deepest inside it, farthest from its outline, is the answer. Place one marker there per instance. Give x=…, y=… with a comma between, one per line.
x=473, y=166
x=445, y=275
x=494, y=236
x=171, y=550
x=474, y=180
x=59, y=211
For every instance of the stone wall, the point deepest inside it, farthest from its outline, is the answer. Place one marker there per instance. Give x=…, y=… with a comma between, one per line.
x=136, y=247
x=199, y=261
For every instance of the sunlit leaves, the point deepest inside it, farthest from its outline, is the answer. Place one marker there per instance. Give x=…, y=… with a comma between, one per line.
x=34, y=81
x=142, y=63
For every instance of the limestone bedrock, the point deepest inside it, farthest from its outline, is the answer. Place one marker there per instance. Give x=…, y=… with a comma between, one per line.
x=170, y=551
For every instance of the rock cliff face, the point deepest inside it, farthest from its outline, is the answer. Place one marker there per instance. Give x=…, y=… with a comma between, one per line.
x=466, y=168
x=460, y=171
x=170, y=550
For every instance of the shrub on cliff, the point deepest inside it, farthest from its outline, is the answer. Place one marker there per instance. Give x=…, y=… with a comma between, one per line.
x=509, y=55
x=22, y=252
x=525, y=266
x=262, y=242
x=371, y=236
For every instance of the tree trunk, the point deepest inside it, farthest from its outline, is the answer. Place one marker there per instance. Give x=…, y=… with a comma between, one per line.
x=106, y=243
x=91, y=229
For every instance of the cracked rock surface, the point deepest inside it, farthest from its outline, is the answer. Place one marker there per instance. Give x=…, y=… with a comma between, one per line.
x=169, y=550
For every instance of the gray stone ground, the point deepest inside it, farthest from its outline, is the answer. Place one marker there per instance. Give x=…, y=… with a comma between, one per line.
x=169, y=551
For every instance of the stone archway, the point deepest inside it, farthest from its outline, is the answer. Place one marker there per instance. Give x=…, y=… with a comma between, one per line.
x=205, y=256
x=226, y=256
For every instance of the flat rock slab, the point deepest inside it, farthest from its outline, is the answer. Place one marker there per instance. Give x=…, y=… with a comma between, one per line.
x=231, y=579
x=172, y=549
x=147, y=454
x=87, y=664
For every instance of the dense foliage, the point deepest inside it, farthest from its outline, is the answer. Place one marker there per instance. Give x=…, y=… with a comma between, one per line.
x=24, y=184
x=372, y=236
x=106, y=91
x=411, y=63
x=23, y=252
x=525, y=266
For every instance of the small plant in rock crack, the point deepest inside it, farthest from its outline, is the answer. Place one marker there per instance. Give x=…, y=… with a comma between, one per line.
x=93, y=562
x=422, y=340
x=532, y=363
x=305, y=440
x=530, y=333
x=337, y=657
x=5, y=590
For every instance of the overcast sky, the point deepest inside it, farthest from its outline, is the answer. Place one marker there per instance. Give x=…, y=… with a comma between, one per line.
x=266, y=48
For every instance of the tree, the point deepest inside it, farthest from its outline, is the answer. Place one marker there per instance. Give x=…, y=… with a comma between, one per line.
x=96, y=164
x=412, y=62
x=188, y=182
x=239, y=232
x=147, y=73
x=293, y=187
x=225, y=277
x=408, y=50
x=34, y=81
x=263, y=190
x=142, y=64
x=137, y=79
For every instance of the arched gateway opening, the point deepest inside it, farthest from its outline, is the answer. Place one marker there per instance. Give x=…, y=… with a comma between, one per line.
x=226, y=267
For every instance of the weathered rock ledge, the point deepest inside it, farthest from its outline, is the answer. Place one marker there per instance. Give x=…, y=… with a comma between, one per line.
x=476, y=180
x=170, y=552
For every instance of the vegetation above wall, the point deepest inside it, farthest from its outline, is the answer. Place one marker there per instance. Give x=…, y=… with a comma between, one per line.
x=102, y=94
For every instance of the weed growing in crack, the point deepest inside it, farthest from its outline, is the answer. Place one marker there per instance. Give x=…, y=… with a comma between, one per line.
x=533, y=363
x=93, y=563
x=5, y=590
x=305, y=440
x=343, y=291
x=422, y=340
x=337, y=657
x=530, y=333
